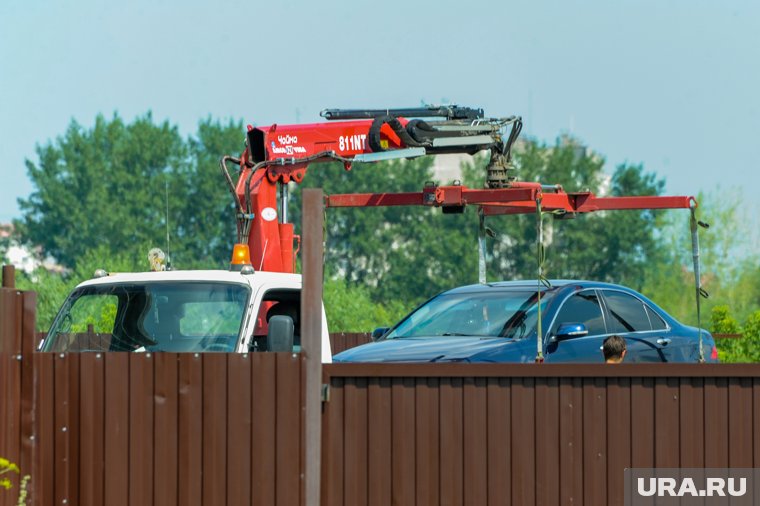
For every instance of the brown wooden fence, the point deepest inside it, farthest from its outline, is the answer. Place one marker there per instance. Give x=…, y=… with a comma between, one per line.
x=140, y=429
x=341, y=341
x=528, y=434
x=17, y=316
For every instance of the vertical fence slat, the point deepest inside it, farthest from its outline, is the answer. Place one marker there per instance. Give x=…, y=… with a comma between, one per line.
x=499, y=453
x=62, y=430
x=264, y=413
x=523, y=441
x=332, y=451
x=44, y=468
x=402, y=441
x=288, y=430
x=116, y=430
x=740, y=422
x=642, y=408
x=618, y=437
x=10, y=383
x=547, y=441
x=475, y=443
x=141, y=445
x=74, y=426
x=716, y=422
x=667, y=421
x=571, y=438
x=427, y=443
x=594, y=441
x=239, y=429
x=692, y=428
x=92, y=416
x=166, y=408
x=355, y=446
x=379, y=444
x=756, y=421
x=190, y=433
x=214, y=428
x=451, y=442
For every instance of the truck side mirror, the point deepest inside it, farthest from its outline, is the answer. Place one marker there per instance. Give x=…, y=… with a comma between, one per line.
x=379, y=332
x=280, y=333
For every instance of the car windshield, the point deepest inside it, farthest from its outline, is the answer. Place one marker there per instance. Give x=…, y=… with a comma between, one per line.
x=157, y=316
x=492, y=313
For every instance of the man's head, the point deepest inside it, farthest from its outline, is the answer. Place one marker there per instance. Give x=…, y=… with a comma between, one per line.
x=614, y=349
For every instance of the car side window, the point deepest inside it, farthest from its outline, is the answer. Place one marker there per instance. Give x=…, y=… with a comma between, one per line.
x=582, y=307
x=627, y=313
x=656, y=320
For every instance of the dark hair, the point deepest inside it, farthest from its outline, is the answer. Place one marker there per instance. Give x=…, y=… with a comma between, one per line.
x=613, y=347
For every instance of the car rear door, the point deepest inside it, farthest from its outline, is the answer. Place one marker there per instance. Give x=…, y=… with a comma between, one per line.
x=629, y=317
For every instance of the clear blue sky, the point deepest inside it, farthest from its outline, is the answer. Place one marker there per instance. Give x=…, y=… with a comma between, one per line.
x=671, y=84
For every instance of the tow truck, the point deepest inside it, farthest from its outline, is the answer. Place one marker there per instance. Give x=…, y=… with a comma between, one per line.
x=255, y=306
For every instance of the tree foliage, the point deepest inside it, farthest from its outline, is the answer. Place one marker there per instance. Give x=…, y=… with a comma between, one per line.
x=604, y=246
x=742, y=349
x=111, y=185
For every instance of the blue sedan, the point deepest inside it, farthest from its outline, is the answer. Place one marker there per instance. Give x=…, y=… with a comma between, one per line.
x=497, y=322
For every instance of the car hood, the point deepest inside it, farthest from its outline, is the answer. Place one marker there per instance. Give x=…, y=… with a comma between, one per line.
x=428, y=349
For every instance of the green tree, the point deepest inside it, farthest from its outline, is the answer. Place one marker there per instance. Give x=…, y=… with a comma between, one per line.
x=351, y=308
x=206, y=225
x=609, y=246
x=737, y=350
x=104, y=185
x=107, y=185
x=730, y=267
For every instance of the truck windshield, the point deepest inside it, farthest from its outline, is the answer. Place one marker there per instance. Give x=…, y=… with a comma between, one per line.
x=495, y=313
x=159, y=316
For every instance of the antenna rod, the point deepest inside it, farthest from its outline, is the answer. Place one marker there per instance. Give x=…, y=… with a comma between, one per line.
x=168, y=249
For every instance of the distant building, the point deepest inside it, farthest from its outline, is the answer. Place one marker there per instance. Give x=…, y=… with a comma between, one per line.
x=447, y=168
x=22, y=257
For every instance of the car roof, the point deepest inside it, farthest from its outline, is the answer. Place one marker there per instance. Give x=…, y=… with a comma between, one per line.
x=532, y=284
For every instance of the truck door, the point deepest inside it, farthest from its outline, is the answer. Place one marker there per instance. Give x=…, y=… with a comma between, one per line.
x=282, y=299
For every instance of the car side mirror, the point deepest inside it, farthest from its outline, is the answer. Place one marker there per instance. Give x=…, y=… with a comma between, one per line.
x=569, y=331
x=280, y=333
x=379, y=332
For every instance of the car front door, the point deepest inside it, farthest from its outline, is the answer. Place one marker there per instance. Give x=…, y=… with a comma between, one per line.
x=582, y=307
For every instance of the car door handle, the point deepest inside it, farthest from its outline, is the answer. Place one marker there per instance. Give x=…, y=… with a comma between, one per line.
x=663, y=341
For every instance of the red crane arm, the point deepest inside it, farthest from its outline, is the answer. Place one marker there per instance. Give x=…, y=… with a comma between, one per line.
x=519, y=199
x=279, y=154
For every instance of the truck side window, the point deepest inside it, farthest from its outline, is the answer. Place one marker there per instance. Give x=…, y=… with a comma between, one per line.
x=278, y=302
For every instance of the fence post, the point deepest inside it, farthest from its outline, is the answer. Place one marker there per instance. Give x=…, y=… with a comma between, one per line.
x=311, y=340
x=10, y=377
x=9, y=276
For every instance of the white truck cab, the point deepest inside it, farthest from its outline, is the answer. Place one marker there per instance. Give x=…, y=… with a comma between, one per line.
x=179, y=311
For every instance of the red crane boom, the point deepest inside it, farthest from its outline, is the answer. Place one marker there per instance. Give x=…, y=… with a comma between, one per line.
x=279, y=154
